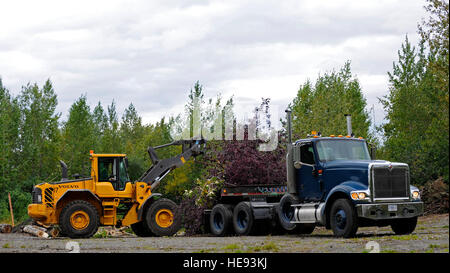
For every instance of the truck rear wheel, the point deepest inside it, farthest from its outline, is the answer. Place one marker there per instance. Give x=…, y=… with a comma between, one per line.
x=220, y=220
x=79, y=219
x=285, y=213
x=343, y=218
x=163, y=218
x=243, y=220
x=404, y=226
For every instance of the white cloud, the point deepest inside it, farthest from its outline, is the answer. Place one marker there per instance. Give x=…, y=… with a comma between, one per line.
x=151, y=53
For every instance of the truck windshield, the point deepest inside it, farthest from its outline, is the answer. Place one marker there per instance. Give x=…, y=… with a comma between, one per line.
x=342, y=149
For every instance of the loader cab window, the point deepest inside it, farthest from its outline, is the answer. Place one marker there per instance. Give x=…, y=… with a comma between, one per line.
x=113, y=169
x=123, y=173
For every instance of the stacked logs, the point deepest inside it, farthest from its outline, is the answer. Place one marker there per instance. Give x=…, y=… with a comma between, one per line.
x=34, y=228
x=5, y=228
x=40, y=230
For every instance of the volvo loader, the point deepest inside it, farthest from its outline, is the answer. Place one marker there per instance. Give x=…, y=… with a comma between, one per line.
x=108, y=197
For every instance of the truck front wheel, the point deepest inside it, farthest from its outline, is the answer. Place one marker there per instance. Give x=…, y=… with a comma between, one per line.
x=404, y=226
x=343, y=219
x=79, y=219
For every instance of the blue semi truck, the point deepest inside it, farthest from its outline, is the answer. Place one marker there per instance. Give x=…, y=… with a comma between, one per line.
x=332, y=181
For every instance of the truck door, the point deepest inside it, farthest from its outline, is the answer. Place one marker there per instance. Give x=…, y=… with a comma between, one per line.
x=308, y=182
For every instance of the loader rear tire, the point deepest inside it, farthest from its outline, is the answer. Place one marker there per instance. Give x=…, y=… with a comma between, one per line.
x=79, y=219
x=163, y=218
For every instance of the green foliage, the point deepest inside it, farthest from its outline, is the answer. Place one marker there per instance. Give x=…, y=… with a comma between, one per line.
x=321, y=107
x=78, y=137
x=417, y=105
x=39, y=134
x=29, y=144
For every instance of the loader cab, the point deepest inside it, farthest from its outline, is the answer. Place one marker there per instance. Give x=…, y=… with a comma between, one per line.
x=113, y=169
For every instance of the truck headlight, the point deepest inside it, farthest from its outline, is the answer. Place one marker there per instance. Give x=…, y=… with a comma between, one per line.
x=415, y=194
x=359, y=195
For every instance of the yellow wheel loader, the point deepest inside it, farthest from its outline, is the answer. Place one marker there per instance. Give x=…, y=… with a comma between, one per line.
x=80, y=205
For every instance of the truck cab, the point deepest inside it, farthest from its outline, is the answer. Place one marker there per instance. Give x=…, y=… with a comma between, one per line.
x=333, y=181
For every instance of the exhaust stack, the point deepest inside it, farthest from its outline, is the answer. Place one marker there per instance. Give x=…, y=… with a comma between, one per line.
x=64, y=170
x=289, y=126
x=290, y=171
x=349, y=124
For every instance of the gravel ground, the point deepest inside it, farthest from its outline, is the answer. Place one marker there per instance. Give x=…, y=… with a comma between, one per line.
x=431, y=235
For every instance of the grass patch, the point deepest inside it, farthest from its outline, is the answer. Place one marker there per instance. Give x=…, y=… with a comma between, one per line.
x=405, y=237
x=205, y=250
x=101, y=234
x=149, y=248
x=231, y=247
x=269, y=246
x=6, y=246
x=388, y=251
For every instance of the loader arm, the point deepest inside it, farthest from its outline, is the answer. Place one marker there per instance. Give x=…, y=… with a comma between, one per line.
x=161, y=167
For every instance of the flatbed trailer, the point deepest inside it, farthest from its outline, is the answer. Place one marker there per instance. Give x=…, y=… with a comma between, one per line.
x=244, y=210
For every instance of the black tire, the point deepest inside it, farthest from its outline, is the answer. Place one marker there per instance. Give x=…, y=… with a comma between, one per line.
x=141, y=229
x=404, y=226
x=277, y=229
x=305, y=228
x=343, y=218
x=163, y=217
x=79, y=219
x=285, y=213
x=220, y=220
x=243, y=219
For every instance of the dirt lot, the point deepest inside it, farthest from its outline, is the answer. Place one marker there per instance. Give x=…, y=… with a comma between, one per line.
x=431, y=235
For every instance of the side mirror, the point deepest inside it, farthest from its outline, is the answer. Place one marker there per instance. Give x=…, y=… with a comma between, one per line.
x=296, y=157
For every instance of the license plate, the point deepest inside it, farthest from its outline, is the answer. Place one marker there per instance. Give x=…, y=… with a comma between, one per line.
x=392, y=207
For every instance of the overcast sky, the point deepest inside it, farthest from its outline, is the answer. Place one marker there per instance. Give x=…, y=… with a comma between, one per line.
x=151, y=53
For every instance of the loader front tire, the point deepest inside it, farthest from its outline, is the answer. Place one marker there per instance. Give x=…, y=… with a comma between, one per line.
x=141, y=229
x=79, y=219
x=163, y=218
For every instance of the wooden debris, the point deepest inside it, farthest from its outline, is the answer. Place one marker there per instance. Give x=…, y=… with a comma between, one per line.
x=11, y=209
x=35, y=231
x=40, y=228
x=42, y=224
x=114, y=232
x=5, y=228
x=19, y=227
x=53, y=232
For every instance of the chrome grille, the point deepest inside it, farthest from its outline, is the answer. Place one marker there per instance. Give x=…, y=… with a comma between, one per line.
x=390, y=181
